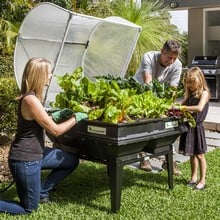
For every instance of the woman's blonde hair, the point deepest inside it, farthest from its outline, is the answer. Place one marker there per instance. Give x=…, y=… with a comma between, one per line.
x=35, y=76
x=195, y=74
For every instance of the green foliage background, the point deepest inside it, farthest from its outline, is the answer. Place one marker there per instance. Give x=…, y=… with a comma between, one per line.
x=6, y=66
x=8, y=92
x=8, y=105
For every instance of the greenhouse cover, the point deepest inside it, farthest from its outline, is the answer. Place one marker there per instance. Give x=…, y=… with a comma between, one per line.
x=70, y=40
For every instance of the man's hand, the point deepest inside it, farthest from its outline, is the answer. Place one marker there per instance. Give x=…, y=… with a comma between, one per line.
x=147, y=78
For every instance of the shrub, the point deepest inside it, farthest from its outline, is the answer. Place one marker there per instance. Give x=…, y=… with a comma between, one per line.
x=8, y=104
x=6, y=66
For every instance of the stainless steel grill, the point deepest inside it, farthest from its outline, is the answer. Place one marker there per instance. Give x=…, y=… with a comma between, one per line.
x=210, y=65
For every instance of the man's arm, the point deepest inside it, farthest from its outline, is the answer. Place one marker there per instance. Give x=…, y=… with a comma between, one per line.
x=176, y=74
x=147, y=67
x=144, y=72
x=147, y=77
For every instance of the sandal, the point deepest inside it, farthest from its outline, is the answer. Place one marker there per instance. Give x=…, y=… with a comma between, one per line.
x=191, y=183
x=145, y=165
x=176, y=170
x=200, y=187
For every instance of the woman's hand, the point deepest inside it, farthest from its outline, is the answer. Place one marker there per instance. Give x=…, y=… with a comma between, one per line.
x=80, y=116
x=62, y=115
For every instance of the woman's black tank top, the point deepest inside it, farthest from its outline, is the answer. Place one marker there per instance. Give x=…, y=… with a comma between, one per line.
x=29, y=139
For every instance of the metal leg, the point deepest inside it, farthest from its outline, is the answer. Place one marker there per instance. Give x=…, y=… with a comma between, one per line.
x=115, y=180
x=169, y=159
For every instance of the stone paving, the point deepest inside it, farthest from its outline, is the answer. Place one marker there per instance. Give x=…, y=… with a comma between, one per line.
x=212, y=121
x=213, y=141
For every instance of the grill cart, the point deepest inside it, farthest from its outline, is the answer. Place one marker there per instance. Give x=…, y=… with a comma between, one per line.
x=100, y=47
x=210, y=66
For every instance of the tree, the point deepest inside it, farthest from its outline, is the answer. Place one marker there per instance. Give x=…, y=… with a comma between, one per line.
x=154, y=19
x=153, y=16
x=11, y=15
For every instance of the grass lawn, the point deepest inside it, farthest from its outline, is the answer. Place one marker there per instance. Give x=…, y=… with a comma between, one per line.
x=86, y=195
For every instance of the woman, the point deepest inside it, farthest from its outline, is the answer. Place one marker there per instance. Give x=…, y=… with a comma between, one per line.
x=193, y=142
x=27, y=154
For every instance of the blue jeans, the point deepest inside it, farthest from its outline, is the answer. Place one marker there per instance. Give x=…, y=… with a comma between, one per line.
x=27, y=176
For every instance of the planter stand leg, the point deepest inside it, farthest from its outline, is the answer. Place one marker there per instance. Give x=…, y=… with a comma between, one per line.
x=115, y=170
x=169, y=159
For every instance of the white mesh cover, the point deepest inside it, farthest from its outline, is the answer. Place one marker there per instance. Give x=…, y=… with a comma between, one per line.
x=69, y=40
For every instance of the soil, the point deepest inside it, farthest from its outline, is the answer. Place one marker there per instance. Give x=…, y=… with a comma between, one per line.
x=5, y=174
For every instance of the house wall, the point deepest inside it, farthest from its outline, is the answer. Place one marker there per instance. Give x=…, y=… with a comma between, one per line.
x=203, y=26
x=195, y=34
x=203, y=32
x=212, y=31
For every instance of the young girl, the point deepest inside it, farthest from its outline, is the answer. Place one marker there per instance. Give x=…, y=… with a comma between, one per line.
x=193, y=142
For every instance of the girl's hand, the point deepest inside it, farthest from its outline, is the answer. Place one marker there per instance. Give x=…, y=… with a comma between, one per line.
x=179, y=107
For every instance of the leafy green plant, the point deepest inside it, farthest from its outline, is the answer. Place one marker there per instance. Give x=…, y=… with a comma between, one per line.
x=68, y=4
x=112, y=99
x=8, y=35
x=182, y=113
x=11, y=15
x=6, y=66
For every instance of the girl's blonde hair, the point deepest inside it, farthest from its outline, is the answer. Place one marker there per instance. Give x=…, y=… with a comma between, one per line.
x=195, y=74
x=35, y=76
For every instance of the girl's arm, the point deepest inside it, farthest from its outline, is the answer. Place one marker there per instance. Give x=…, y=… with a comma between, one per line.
x=183, y=101
x=198, y=108
x=33, y=109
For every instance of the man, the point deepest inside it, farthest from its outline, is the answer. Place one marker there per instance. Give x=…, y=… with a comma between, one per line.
x=164, y=66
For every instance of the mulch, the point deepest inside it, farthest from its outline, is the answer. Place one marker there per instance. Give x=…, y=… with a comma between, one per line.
x=5, y=174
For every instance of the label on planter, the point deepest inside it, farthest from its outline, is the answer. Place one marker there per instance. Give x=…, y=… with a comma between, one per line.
x=96, y=130
x=171, y=124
